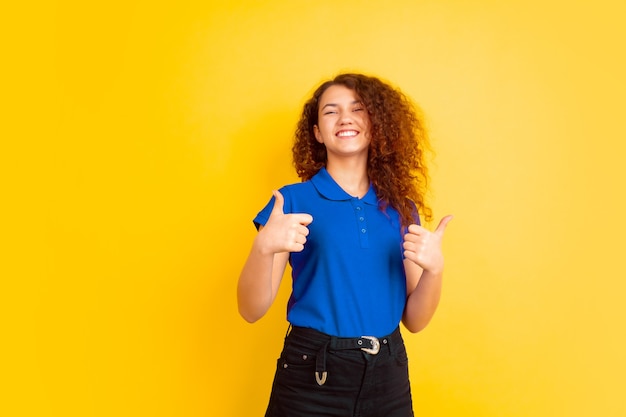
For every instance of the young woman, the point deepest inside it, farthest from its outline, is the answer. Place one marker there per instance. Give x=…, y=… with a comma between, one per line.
x=361, y=262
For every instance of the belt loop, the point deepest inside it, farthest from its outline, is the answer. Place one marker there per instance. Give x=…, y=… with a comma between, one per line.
x=320, y=365
x=387, y=341
x=392, y=339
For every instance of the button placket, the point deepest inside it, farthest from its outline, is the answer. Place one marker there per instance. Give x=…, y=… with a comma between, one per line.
x=361, y=221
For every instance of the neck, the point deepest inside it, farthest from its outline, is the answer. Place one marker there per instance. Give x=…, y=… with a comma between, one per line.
x=352, y=177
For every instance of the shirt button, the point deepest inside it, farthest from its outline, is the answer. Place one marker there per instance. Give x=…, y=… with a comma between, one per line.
x=358, y=208
x=361, y=218
x=363, y=230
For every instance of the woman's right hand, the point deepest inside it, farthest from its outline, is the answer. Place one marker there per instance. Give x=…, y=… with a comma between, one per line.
x=283, y=232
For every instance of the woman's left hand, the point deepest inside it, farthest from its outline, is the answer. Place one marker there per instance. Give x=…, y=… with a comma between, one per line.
x=424, y=247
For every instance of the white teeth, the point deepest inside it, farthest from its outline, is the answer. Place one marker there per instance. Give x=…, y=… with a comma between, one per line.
x=347, y=133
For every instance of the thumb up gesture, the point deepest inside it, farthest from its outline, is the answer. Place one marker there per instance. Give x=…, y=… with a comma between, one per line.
x=284, y=232
x=423, y=247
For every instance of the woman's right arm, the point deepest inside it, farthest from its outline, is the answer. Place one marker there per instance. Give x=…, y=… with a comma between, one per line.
x=263, y=271
x=259, y=281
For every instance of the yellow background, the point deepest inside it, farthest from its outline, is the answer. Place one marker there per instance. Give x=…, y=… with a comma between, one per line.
x=140, y=139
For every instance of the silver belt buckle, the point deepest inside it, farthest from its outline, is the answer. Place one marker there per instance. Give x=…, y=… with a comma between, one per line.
x=375, y=345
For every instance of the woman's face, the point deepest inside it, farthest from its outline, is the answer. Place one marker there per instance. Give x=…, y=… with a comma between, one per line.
x=343, y=123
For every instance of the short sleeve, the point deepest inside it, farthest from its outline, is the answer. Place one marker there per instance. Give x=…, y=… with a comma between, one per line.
x=263, y=216
x=415, y=214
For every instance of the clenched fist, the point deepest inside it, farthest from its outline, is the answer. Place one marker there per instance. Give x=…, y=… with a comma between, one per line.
x=284, y=232
x=424, y=247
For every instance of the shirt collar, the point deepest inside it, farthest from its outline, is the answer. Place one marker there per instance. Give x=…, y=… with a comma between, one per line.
x=326, y=186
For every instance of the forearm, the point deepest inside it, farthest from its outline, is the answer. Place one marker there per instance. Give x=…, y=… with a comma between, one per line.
x=256, y=288
x=422, y=302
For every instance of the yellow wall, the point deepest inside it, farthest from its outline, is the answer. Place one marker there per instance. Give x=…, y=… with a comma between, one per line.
x=142, y=138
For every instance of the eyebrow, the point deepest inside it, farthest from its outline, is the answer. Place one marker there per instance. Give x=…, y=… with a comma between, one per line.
x=336, y=105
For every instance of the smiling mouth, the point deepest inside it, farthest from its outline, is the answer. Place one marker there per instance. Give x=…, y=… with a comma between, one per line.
x=347, y=133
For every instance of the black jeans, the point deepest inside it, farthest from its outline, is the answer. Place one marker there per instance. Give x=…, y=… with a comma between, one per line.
x=319, y=375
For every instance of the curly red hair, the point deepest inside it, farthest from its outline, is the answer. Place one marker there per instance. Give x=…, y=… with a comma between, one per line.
x=396, y=158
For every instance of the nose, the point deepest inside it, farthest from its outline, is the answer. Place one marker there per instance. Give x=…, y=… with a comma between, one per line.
x=346, y=118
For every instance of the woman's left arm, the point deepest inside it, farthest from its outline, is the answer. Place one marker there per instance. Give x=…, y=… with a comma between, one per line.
x=423, y=265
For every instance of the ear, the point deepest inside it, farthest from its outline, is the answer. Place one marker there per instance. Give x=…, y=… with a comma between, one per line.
x=318, y=135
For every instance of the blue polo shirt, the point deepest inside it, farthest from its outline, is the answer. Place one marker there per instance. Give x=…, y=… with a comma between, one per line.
x=349, y=280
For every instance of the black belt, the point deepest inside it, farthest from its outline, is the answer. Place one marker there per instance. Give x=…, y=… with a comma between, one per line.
x=368, y=344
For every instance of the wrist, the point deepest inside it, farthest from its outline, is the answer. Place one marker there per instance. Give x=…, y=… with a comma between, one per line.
x=261, y=245
x=433, y=273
